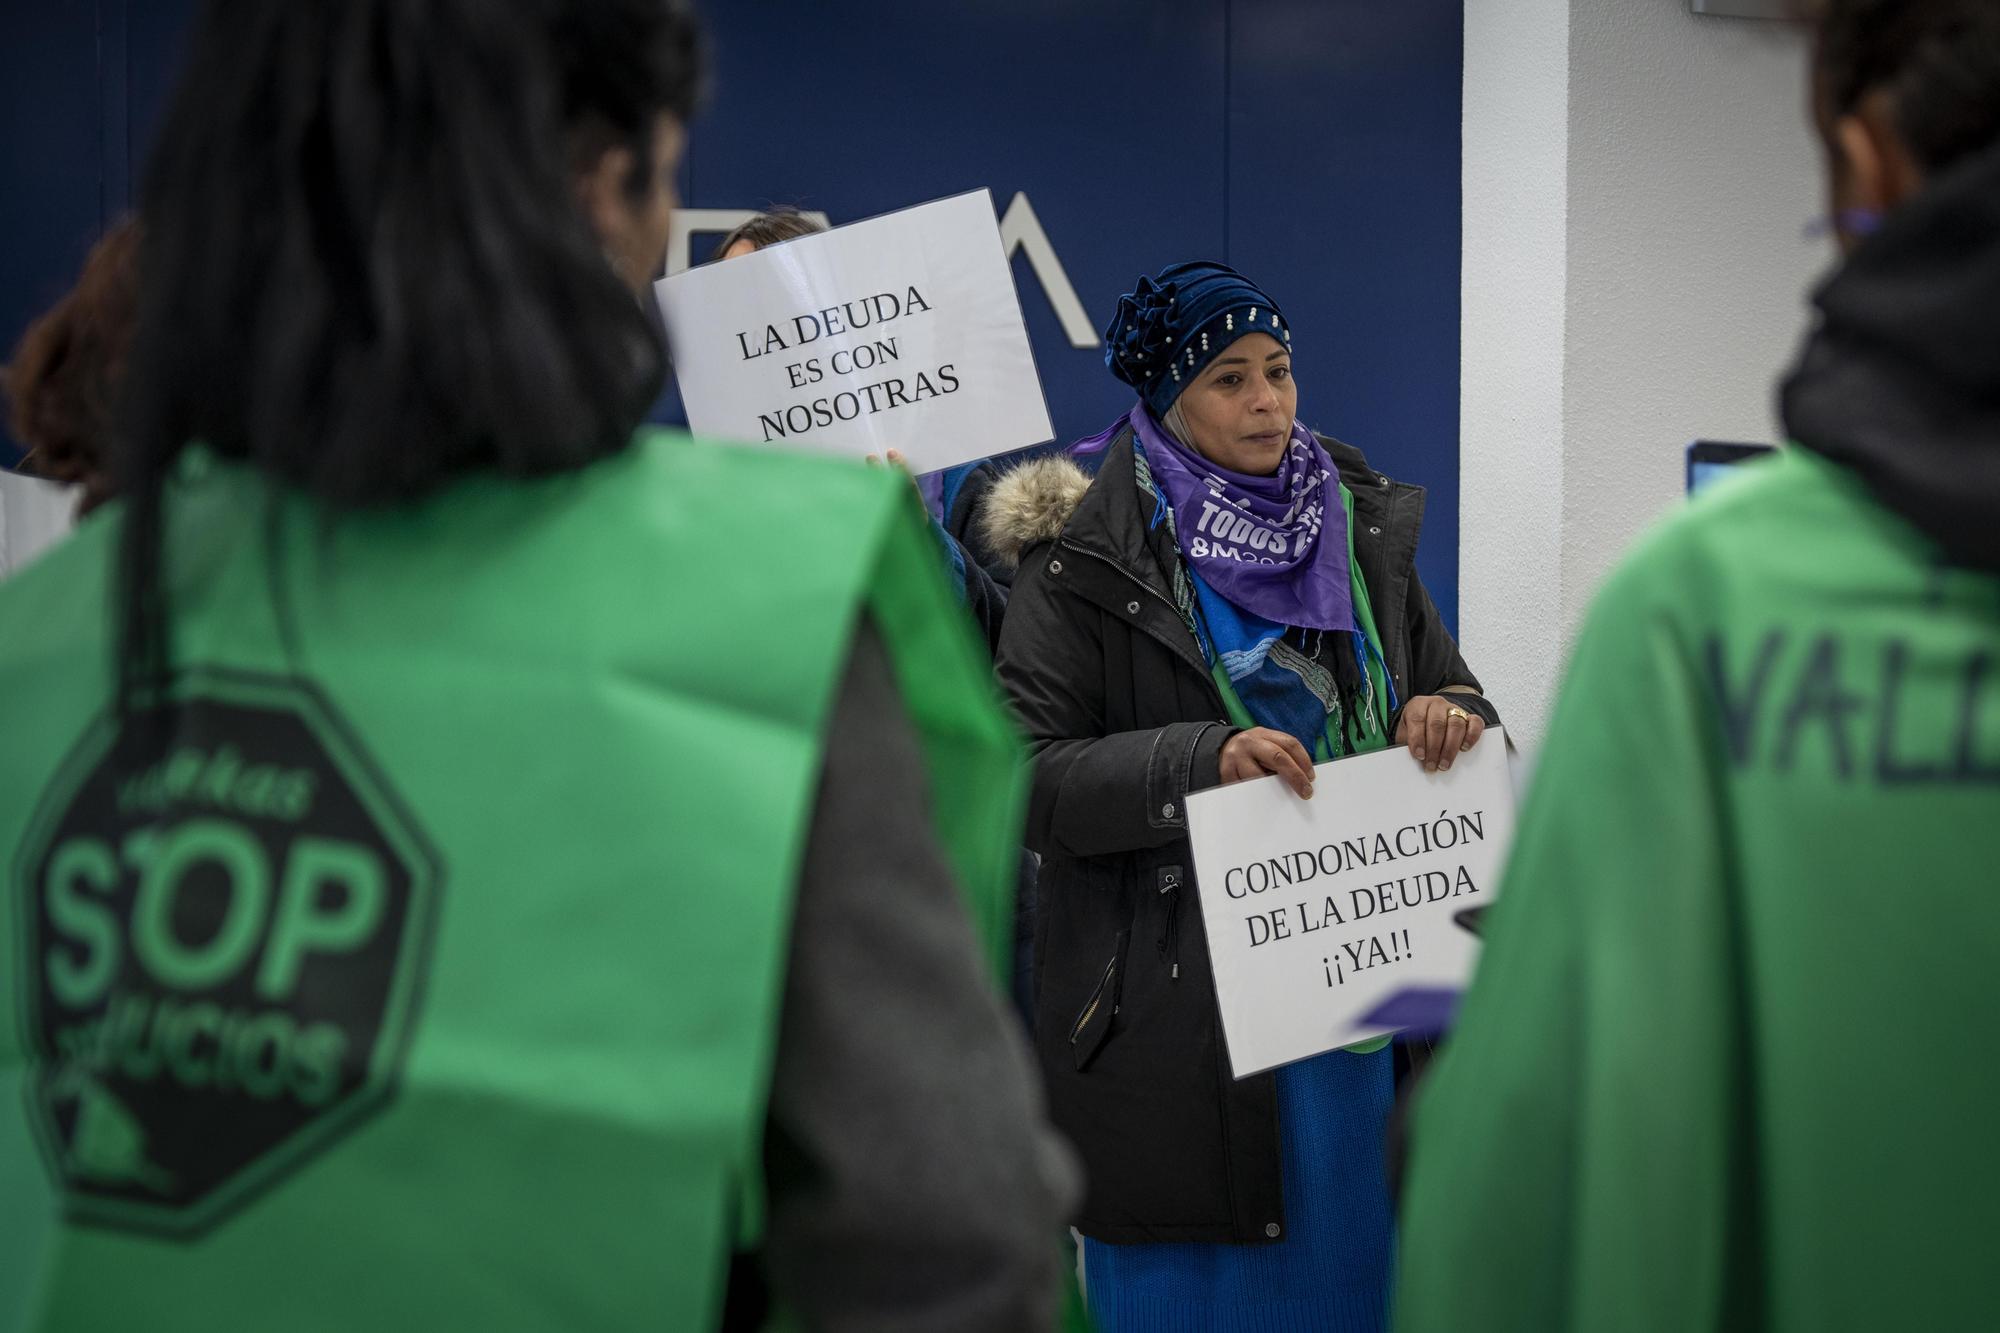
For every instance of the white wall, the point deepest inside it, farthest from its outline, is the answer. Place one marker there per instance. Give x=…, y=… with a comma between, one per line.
x=1513, y=311
x=1635, y=277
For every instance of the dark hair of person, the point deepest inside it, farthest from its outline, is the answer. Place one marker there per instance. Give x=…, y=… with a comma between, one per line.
x=1938, y=60
x=64, y=378
x=768, y=228
x=367, y=272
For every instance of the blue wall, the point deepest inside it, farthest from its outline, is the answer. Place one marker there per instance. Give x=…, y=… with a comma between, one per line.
x=82, y=84
x=1313, y=144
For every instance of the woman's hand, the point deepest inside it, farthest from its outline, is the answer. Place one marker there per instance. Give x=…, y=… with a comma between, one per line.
x=1438, y=729
x=1261, y=751
x=897, y=461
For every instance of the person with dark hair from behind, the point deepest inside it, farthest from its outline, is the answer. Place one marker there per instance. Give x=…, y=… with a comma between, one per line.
x=1720, y=1067
x=63, y=380
x=475, y=879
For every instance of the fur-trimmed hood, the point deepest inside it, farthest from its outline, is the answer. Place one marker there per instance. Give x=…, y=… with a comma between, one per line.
x=1031, y=504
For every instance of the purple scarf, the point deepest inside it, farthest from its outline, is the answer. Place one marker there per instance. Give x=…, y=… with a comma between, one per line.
x=1275, y=547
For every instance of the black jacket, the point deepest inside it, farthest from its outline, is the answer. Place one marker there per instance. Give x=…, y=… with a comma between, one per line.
x=1901, y=380
x=963, y=520
x=985, y=598
x=1124, y=721
x=892, y=1051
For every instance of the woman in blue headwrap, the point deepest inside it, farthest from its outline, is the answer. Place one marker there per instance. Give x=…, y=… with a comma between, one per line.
x=1233, y=596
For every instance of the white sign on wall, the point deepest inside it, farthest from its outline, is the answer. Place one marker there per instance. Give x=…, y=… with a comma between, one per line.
x=902, y=332
x=1317, y=911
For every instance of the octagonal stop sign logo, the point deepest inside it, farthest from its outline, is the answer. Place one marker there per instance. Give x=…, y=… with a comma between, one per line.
x=228, y=913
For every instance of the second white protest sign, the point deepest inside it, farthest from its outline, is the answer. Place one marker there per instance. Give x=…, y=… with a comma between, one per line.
x=1319, y=910
x=901, y=332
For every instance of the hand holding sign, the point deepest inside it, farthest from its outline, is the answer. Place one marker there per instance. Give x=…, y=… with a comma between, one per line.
x=1438, y=729
x=1317, y=911
x=1261, y=752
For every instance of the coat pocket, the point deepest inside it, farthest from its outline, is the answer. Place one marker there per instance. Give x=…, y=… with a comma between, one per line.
x=1093, y=1022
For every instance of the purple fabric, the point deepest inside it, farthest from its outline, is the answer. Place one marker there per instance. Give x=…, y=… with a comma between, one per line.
x=1095, y=444
x=931, y=486
x=1420, y=1011
x=1273, y=546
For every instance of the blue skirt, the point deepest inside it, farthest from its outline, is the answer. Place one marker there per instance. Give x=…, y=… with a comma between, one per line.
x=1331, y=1272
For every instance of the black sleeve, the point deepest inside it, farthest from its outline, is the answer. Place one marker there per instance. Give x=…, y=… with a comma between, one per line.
x=1436, y=665
x=1093, y=794
x=963, y=523
x=914, y=1182
x=984, y=598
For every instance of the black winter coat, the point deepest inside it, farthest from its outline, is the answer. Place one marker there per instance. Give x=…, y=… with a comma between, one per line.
x=1124, y=721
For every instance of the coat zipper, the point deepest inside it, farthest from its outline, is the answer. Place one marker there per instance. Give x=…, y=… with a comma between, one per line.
x=1170, y=938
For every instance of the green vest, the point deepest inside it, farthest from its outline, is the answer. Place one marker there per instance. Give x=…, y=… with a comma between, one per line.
x=429, y=979
x=1726, y=1063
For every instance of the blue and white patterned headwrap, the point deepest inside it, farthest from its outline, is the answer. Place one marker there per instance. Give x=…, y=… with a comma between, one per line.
x=1171, y=326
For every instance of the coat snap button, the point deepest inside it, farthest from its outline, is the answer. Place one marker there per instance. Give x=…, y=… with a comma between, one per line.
x=1271, y=1229
x=1375, y=532
x=1132, y=607
x=1167, y=810
x=1055, y=566
x=1383, y=480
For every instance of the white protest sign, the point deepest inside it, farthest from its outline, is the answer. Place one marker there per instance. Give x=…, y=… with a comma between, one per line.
x=1319, y=910
x=34, y=515
x=902, y=332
